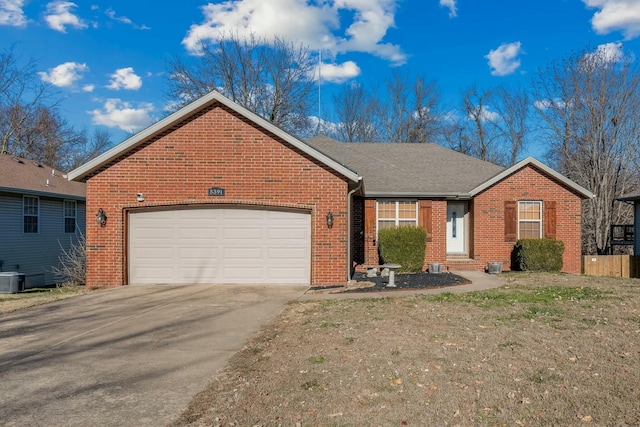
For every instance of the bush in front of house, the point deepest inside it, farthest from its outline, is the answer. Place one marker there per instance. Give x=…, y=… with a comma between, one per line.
x=404, y=246
x=539, y=255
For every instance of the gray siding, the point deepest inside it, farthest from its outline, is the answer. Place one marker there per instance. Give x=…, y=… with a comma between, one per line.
x=35, y=254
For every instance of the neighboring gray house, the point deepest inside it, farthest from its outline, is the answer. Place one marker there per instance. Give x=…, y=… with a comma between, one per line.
x=40, y=211
x=635, y=198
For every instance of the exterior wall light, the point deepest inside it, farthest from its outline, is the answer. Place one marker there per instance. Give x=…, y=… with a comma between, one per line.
x=329, y=219
x=101, y=217
x=140, y=197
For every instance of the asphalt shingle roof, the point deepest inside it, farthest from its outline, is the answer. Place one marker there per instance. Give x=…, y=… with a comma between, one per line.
x=411, y=169
x=18, y=174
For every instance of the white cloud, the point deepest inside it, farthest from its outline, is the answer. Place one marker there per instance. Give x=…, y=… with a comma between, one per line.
x=338, y=73
x=609, y=52
x=88, y=88
x=504, y=60
x=119, y=114
x=315, y=25
x=59, y=16
x=64, y=75
x=125, y=78
x=616, y=15
x=485, y=114
x=11, y=13
x=112, y=14
x=451, y=5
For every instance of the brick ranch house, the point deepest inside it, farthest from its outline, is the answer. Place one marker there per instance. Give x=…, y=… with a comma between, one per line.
x=216, y=194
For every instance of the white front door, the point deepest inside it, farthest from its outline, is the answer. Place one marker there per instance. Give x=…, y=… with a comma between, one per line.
x=455, y=228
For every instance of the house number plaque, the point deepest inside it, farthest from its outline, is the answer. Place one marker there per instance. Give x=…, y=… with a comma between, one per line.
x=216, y=191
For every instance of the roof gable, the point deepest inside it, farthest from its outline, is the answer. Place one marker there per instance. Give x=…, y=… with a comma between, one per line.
x=198, y=105
x=583, y=192
x=18, y=175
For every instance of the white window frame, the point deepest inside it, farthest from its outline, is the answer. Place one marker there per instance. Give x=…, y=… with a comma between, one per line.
x=65, y=216
x=397, y=215
x=25, y=215
x=539, y=202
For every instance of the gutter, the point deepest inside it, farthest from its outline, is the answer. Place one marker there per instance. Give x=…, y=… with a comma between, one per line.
x=420, y=195
x=349, y=226
x=41, y=193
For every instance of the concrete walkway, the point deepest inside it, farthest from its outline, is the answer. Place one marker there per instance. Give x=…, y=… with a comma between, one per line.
x=480, y=281
x=130, y=356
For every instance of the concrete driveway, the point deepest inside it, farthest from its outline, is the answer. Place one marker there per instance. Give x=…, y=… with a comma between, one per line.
x=128, y=356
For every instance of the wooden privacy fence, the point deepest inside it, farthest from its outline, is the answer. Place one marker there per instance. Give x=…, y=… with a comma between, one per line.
x=611, y=265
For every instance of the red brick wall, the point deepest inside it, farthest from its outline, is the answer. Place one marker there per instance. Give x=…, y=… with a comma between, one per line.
x=528, y=183
x=216, y=148
x=485, y=219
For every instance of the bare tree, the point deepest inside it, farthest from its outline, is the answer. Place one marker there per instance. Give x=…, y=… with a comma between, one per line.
x=512, y=125
x=406, y=108
x=31, y=125
x=491, y=125
x=21, y=98
x=273, y=78
x=590, y=104
x=354, y=109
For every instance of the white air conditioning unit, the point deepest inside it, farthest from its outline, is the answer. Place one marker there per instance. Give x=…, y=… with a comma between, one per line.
x=11, y=282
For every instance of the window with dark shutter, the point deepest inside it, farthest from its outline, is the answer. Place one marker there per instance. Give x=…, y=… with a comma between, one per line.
x=510, y=221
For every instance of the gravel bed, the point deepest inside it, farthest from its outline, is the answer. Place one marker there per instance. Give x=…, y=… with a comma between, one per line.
x=406, y=281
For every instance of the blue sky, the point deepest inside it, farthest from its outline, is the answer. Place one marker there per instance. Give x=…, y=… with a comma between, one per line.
x=107, y=58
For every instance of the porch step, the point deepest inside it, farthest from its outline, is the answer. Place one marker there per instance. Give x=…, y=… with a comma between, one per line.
x=463, y=263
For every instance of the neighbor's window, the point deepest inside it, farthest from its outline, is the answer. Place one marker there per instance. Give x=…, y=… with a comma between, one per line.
x=529, y=220
x=70, y=216
x=397, y=213
x=30, y=214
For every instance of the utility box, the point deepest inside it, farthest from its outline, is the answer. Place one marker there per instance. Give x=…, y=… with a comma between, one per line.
x=11, y=282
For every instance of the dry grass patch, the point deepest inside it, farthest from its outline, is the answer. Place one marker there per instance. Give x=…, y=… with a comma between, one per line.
x=543, y=350
x=37, y=296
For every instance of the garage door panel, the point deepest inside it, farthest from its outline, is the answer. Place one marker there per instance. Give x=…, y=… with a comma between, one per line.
x=154, y=233
x=197, y=275
x=243, y=214
x=219, y=246
x=197, y=253
x=286, y=254
x=242, y=233
x=152, y=275
x=247, y=254
x=287, y=233
x=154, y=253
x=198, y=233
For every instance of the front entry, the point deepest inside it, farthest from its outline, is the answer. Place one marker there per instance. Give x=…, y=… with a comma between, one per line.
x=456, y=227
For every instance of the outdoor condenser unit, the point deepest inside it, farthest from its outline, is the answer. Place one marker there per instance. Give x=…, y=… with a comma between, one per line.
x=11, y=282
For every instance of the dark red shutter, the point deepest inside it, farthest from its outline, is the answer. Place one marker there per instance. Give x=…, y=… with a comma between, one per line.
x=549, y=220
x=426, y=218
x=369, y=219
x=510, y=221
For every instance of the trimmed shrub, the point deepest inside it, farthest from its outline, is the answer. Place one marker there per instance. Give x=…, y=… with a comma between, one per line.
x=538, y=255
x=404, y=246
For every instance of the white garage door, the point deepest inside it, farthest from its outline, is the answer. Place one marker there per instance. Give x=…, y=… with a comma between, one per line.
x=185, y=246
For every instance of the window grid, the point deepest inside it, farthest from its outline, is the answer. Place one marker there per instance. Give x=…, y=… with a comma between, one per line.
x=397, y=213
x=70, y=209
x=30, y=214
x=529, y=219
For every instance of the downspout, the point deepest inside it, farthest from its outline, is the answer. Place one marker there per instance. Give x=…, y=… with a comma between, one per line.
x=349, y=226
